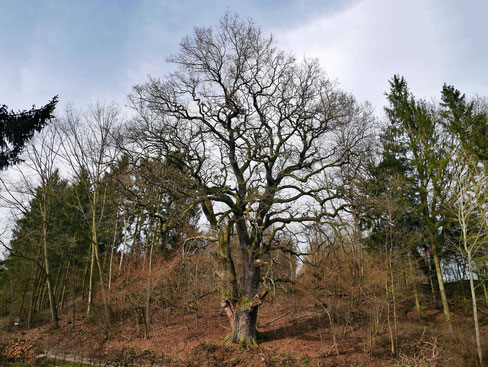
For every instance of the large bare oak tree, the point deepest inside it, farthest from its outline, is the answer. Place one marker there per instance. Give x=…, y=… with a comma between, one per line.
x=262, y=137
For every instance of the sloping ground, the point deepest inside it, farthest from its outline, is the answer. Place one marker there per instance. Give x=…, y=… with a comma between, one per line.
x=19, y=350
x=291, y=333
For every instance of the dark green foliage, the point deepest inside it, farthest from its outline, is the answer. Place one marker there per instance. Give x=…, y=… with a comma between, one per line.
x=416, y=145
x=66, y=238
x=17, y=128
x=465, y=122
x=26, y=238
x=155, y=204
x=409, y=188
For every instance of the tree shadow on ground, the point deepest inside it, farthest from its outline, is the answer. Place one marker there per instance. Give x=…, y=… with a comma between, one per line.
x=298, y=327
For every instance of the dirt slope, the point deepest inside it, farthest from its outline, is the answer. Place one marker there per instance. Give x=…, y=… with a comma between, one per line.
x=291, y=334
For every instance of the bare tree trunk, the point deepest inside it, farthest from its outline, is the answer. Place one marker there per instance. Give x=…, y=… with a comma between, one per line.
x=58, y=278
x=86, y=144
x=97, y=257
x=243, y=317
x=65, y=281
x=445, y=306
x=112, y=256
x=240, y=309
x=90, y=282
x=22, y=298
x=40, y=291
x=124, y=247
x=414, y=285
x=246, y=309
x=31, y=309
x=395, y=316
x=83, y=280
x=432, y=288
x=245, y=321
x=52, y=301
x=35, y=287
x=461, y=279
x=12, y=300
x=475, y=311
x=74, y=305
x=147, y=317
x=145, y=323
x=44, y=301
x=485, y=292
x=241, y=306
x=110, y=268
x=388, y=316
x=390, y=293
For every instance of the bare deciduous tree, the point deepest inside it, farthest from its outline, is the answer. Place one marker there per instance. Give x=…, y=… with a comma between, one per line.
x=262, y=137
x=87, y=146
x=468, y=195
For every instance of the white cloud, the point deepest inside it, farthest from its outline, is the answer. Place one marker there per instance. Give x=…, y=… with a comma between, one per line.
x=366, y=44
x=360, y=43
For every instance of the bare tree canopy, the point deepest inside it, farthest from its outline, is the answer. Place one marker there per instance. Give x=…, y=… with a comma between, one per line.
x=262, y=136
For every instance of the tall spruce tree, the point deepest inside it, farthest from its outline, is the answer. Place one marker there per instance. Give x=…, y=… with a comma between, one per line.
x=416, y=140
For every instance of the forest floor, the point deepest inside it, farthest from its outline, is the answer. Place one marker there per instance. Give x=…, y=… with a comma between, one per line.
x=291, y=334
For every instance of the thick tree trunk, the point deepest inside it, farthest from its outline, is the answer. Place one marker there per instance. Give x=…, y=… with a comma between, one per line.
x=241, y=305
x=245, y=322
x=243, y=314
x=243, y=317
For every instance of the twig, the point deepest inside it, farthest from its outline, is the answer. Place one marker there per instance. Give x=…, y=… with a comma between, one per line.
x=225, y=327
x=276, y=319
x=298, y=317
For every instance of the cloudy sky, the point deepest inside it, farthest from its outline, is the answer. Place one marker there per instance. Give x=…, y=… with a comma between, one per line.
x=89, y=50
x=92, y=50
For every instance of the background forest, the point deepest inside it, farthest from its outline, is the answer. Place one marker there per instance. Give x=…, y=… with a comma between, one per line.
x=247, y=178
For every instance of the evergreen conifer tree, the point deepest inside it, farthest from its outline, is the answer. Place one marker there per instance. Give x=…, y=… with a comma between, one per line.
x=17, y=128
